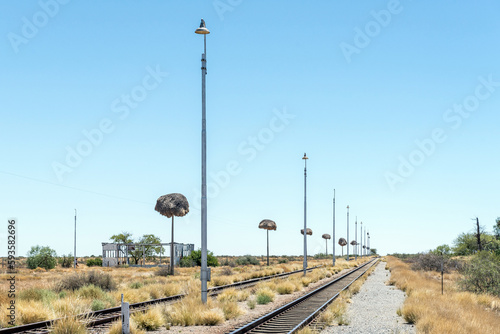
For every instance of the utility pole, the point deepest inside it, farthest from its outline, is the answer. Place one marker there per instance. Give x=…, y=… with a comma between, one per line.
x=74, y=262
x=348, y=233
x=334, y=227
x=305, y=211
x=356, y=238
x=361, y=240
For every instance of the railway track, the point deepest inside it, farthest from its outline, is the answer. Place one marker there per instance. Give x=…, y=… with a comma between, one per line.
x=106, y=316
x=295, y=315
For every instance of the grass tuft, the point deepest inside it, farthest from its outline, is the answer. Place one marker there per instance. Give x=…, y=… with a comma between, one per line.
x=69, y=325
x=231, y=310
x=150, y=320
x=251, y=303
x=264, y=296
x=116, y=328
x=285, y=288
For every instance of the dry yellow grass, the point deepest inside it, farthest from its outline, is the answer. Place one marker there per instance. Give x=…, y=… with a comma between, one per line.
x=71, y=305
x=150, y=320
x=190, y=311
x=454, y=312
x=306, y=330
x=40, y=299
x=116, y=328
x=32, y=311
x=231, y=310
x=69, y=325
x=285, y=288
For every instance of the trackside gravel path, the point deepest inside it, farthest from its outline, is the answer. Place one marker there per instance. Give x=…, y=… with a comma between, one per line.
x=373, y=309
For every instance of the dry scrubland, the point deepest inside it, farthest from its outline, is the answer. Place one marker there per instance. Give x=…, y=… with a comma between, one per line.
x=43, y=295
x=454, y=312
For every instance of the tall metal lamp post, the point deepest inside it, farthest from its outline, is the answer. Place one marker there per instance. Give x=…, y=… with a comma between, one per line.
x=74, y=262
x=202, y=30
x=356, y=238
x=361, y=237
x=305, y=211
x=334, y=227
x=348, y=232
x=368, y=250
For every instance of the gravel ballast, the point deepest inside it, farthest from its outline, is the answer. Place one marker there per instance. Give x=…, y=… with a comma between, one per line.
x=373, y=309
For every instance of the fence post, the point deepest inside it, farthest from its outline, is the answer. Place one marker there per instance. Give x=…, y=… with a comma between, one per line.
x=125, y=318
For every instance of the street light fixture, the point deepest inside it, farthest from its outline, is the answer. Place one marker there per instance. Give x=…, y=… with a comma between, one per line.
x=305, y=211
x=202, y=30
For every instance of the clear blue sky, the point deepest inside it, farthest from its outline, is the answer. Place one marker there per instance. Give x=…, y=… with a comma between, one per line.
x=395, y=103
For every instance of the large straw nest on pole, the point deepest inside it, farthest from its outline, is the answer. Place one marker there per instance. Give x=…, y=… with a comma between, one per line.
x=342, y=242
x=172, y=205
x=308, y=232
x=326, y=236
x=268, y=224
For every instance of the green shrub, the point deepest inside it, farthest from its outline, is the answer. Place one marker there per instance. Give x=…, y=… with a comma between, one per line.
x=78, y=280
x=97, y=305
x=251, y=304
x=66, y=261
x=432, y=261
x=264, y=299
x=136, y=285
x=264, y=296
x=42, y=295
x=90, y=291
x=94, y=262
x=194, y=259
x=481, y=274
x=187, y=262
x=247, y=259
x=43, y=257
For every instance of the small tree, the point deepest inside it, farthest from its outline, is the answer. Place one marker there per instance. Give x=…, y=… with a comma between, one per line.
x=43, y=257
x=194, y=259
x=482, y=274
x=443, y=250
x=496, y=229
x=150, y=251
x=66, y=261
x=122, y=238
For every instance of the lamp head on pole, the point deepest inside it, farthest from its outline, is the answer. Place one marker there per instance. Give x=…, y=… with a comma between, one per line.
x=348, y=207
x=202, y=30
